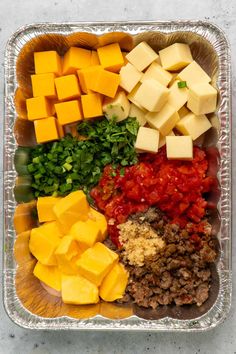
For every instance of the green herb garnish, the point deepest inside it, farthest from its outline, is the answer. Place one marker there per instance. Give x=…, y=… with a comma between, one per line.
x=182, y=84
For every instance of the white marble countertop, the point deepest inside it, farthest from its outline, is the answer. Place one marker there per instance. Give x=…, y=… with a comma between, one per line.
x=14, y=14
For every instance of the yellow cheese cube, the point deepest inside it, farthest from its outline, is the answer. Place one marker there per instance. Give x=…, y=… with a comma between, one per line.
x=183, y=111
x=78, y=291
x=178, y=96
x=38, y=108
x=132, y=97
x=110, y=57
x=152, y=95
x=106, y=83
x=67, y=253
x=176, y=56
x=86, y=233
x=52, y=227
x=155, y=71
x=129, y=77
x=49, y=275
x=45, y=208
x=94, y=58
x=47, y=62
x=72, y=208
x=202, y=98
x=87, y=76
x=43, y=244
x=46, y=130
x=117, y=107
x=67, y=87
x=96, y=262
x=43, y=85
x=162, y=139
x=68, y=112
x=114, y=283
x=91, y=105
x=193, y=125
x=141, y=56
x=179, y=147
x=147, y=140
x=101, y=222
x=165, y=120
x=137, y=113
x=193, y=74
x=74, y=59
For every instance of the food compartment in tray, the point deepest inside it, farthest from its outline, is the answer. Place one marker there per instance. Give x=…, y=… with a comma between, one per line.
x=42, y=301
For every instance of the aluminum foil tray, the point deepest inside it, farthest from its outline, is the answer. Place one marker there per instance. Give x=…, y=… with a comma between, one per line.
x=210, y=48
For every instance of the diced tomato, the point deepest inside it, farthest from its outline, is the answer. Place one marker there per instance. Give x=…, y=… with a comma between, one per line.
x=174, y=186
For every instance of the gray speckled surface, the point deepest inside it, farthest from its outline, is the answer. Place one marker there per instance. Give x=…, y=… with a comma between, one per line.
x=17, y=13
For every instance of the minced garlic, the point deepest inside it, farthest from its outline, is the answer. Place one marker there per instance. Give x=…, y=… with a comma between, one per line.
x=138, y=242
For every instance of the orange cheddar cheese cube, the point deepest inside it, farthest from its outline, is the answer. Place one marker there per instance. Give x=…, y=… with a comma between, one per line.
x=45, y=208
x=47, y=62
x=46, y=129
x=94, y=58
x=110, y=57
x=38, y=108
x=91, y=105
x=49, y=275
x=87, y=76
x=68, y=112
x=100, y=221
x=74, y=59
x=52, y=227
x=86, y=233
x=106, y=83
x=43, y=85
x=42, y=245
x=67, y=87
x=70, y=209
x=78, y=290
x=60, y=130
x=96, y=262
x=67, y=254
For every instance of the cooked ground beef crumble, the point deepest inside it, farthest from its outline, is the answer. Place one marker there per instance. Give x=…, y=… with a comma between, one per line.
x=179, y=272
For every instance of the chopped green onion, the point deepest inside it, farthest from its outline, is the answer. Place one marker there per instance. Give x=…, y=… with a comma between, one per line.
x=182, y=84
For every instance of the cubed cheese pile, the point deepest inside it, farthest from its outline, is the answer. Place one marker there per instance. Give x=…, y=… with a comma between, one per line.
x=71, y=256
x=159, y=88
x=69, y=89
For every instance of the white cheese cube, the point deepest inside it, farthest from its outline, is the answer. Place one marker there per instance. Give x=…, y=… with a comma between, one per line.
x=147, y=140
x=158, y=60
x=183, y=111
x=193, y=74
x=132, y=96
x=117, y=107
x=141, y=56
x=165, y=120
x=178, y=96
x=152, y=95
x=179, y=147
x=173, y=79
x=202, y=99
x=138, y=113
x=162, y=139
x=155, y=71
x=129, y=77
x=176, y=56
x=193, y=125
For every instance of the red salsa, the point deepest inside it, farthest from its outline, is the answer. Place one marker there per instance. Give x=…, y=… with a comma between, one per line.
x=175, y=187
